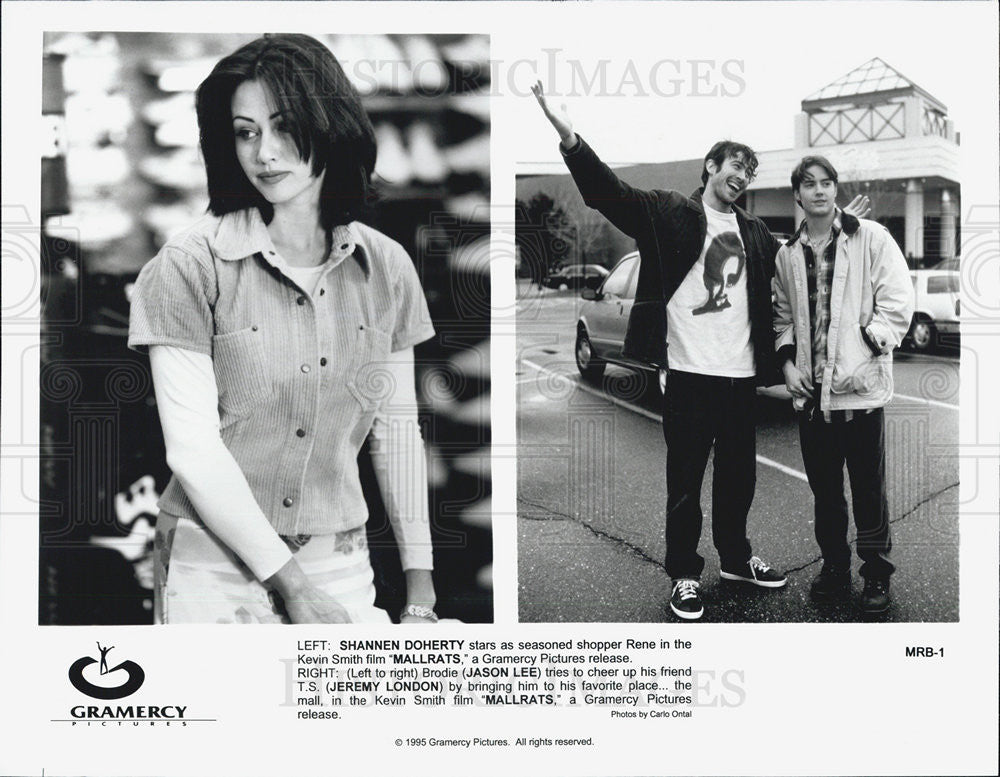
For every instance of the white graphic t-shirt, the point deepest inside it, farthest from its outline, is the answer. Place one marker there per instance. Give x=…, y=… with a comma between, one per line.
x=708, y=318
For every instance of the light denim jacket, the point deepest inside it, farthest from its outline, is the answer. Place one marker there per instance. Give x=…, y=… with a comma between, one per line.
x=300, y=376
x=871, y=291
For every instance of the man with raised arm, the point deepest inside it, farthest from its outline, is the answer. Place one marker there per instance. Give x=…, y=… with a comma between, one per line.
x=843, y=301
x=703, y=310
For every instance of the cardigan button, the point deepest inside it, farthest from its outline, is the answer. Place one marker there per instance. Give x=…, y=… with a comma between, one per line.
x=301, y=300
x=300, y=432
x=254, y=327
x=305, y=368
x=322, y=362
x=287, y=501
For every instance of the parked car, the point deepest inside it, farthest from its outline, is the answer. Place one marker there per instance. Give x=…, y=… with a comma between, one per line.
x=600, y=330
x=936, y=306
x=576, y=277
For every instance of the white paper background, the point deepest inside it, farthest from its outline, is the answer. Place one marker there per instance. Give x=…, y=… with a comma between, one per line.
x=823, y=699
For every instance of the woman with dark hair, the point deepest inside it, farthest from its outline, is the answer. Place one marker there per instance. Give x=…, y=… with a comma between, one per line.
x=280, y=330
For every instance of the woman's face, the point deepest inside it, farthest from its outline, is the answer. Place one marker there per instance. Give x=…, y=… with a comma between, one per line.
x=267, y=152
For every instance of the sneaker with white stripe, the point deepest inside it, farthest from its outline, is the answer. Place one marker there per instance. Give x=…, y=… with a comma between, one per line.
x=755, y=572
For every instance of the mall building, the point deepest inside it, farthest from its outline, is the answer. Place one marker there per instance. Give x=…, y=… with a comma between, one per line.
x=888, y=138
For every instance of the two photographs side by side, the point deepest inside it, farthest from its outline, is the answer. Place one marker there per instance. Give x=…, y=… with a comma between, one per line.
x=737, y=371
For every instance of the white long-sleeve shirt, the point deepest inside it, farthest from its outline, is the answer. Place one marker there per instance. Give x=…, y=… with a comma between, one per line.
x=187, y=398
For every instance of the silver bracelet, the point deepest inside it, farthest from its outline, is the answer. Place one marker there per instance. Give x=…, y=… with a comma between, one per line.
x=419, y=611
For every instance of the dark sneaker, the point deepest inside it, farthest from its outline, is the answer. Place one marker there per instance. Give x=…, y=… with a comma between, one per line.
x=756, y=572
x=831, y=584
x=875, y=597
x=685, y=601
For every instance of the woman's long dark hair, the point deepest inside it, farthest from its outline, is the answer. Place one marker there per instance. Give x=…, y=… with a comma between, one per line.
x=321, y=110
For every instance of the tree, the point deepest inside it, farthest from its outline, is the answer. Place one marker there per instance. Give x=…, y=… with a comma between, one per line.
x=596, y=240
x=544, y=236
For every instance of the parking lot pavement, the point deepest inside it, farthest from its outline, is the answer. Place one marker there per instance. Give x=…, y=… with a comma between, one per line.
x=574, y=568
x=591, y=494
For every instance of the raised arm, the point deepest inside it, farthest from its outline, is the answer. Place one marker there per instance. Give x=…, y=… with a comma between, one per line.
x=558, y=118
x=397, y=451
x=187, y=400
x=624, y=206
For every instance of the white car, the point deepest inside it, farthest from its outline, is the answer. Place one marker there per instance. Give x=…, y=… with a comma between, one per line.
x=600, y=330
x=936, y=306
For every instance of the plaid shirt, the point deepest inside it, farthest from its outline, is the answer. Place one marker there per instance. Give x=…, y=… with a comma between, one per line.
x=819, y=280
x=819, y=275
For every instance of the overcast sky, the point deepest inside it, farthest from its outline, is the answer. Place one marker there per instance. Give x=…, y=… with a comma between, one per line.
x=767, y=58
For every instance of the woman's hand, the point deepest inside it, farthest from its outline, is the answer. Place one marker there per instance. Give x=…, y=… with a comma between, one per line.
x=304, y=602
x=420, y=592
x=859, y=207
x=796, y=382
x=314, y=606
x=558, y=118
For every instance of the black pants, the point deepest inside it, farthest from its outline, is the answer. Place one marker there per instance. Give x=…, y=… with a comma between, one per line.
x=860, y=443
x=702, y=412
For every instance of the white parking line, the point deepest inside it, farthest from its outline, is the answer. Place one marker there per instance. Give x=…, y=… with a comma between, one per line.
x=575, y=380
x=927, y=401
x=649, y=414
x=924, y=357
x=782, y=468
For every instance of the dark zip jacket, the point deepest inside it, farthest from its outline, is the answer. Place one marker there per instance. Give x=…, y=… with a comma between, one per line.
x=670, y=229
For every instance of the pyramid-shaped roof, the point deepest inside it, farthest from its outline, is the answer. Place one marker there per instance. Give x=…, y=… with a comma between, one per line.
x=871, y=78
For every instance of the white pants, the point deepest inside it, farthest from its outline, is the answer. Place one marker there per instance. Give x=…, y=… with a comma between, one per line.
x=199, y=580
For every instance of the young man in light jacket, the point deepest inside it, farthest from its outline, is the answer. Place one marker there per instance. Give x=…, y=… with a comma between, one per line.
x=843, y=302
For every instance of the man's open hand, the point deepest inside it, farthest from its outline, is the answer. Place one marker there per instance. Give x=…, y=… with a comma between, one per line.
x=859, y=207
x=558, y=118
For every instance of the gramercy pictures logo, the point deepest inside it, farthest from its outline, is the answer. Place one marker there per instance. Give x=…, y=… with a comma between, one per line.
x=108, y=681
x=127, y=675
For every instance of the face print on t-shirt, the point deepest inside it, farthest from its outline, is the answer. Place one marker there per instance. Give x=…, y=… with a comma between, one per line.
x=718, y=344
x=724, y=262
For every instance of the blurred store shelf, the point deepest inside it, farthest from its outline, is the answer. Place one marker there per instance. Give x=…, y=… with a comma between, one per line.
x=92, y=225
x=181, y=171
x=182, y=76
x=92, y=62
x=91, y=169
x=97, y=118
